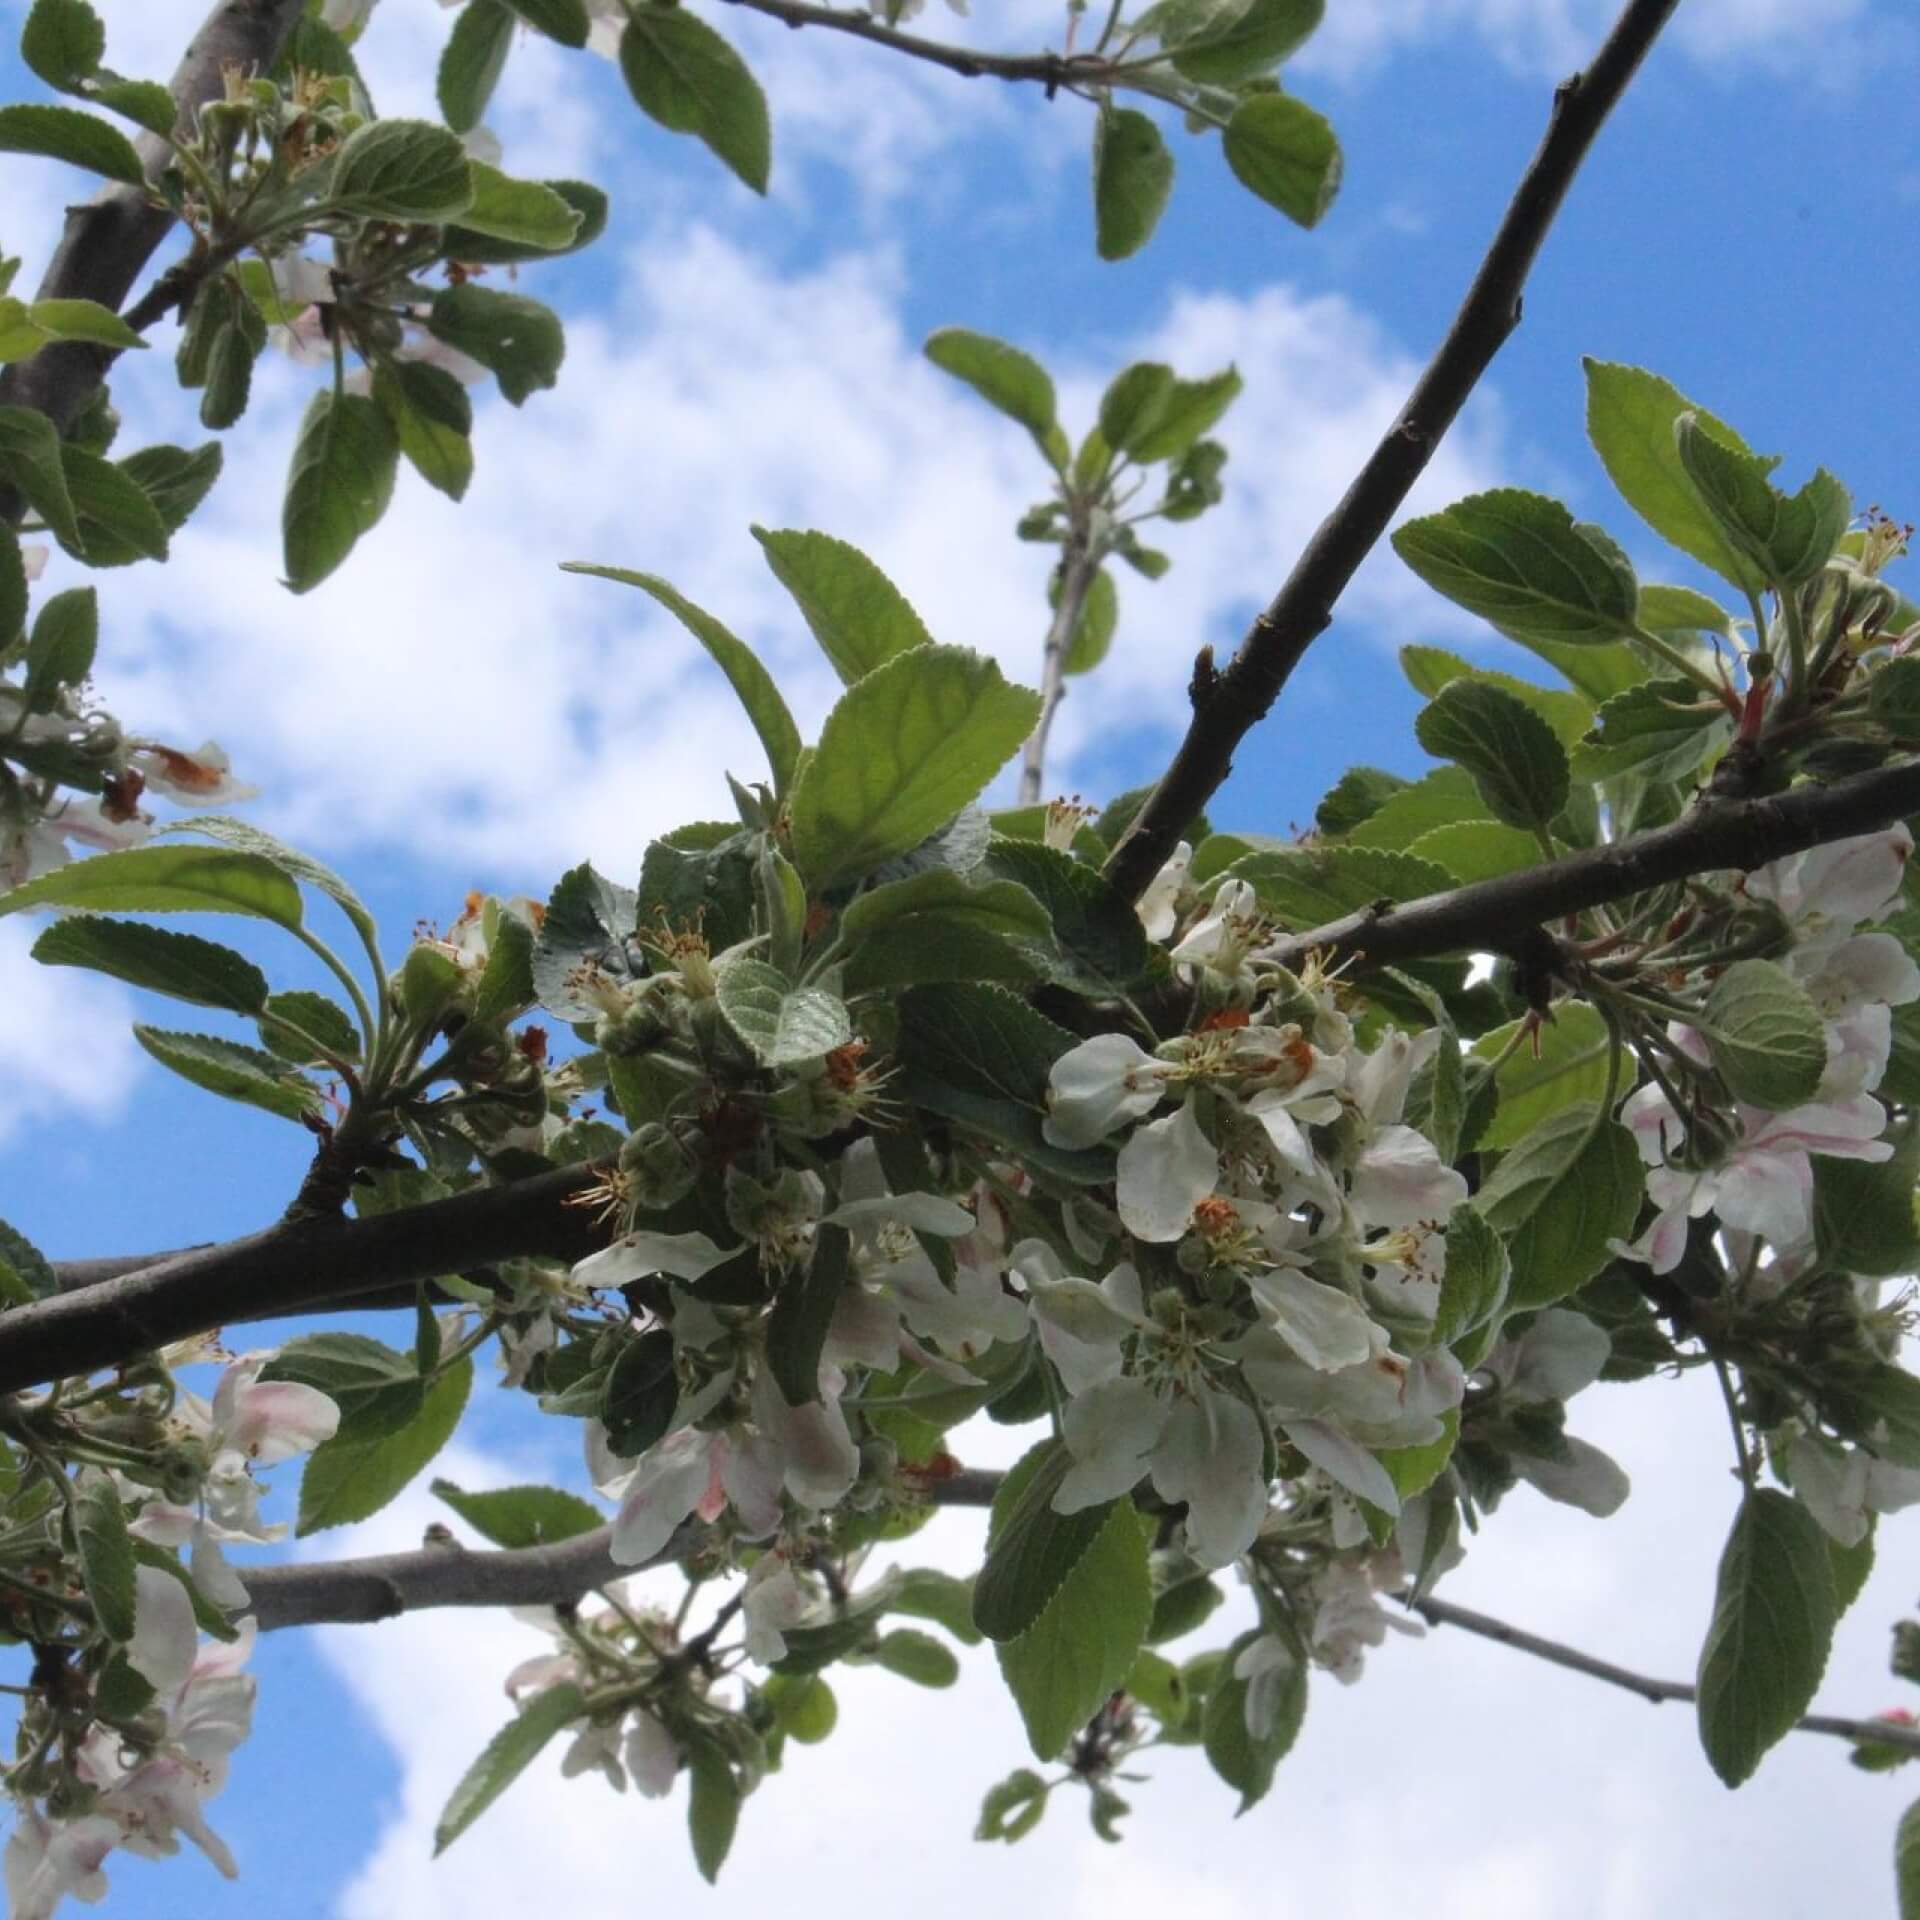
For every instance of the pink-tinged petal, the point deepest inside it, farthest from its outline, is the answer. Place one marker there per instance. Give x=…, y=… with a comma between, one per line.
x=669, y=1482
x=273, y=1420
x=641, y=1256
x=1400, y=1180
x=162, y=1525
x=1165, y=1171
x=1343, y=1459
x=164, y=1635
x=1769, y=1193
x=1587, y=1479
x=1211, y=1456
x=1098, y=1085
x=1831, y=1483
x=1325, y=1326
x=819, y=1460
x=1556, y=1357
x=751, y=1473
x=651, y=1755
x=1110, y=1429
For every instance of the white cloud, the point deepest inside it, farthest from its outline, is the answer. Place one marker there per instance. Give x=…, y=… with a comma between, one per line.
x=449, y=692
x=65, y=1052
x=1458, y=1780
x=1820, y=39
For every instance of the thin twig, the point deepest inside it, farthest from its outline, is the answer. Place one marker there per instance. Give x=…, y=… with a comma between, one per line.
x=1240, y=696
x=384, y=1586
x=316, y=1263
x=1050, y=70
x=1719, y=836
x=1077, y=570
x=1444, y=1613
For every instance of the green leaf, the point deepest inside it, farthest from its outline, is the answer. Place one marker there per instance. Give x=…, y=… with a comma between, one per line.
x=246, y=838
x=1280, y=149
x=27, y=1263
x=1659, y=730
x=587, y=205
x=1765, y=1035
x=118, y=524
x=1773, y=1621
x=1863, y=1214
x=1191, y=408
x=1473, y=850
x=901, y=753
x=1570, y=1066
x=521, y=1516
x=63, y=133
x=245, y=1074
x=1064, y=1667
x=106, y=1556
x=860, y=618
x=1259, y=37
x=1517, y=764
x=1133, y=404
x=180, y=965
x=564, y=20
x=145, y=102
x=640, y=1393
x=505, y=1757
x=1132, y=177
x=30, y=452
x=1241, y=1760
x=376, y=1388
x=1522, y=562
x=1013, y=1806
x=918, y=1657
x=350, y=1478
x=522, y=211
x=1031, y=1549
x=682, y=74
x=1093, y=632
x=431, y=418
x=1014, y=382
x=935, y=926
x=1852, y=1567
x=1429, y=669
x=1568, y=1233
x=330, y=1033
x=166, y=880
x=750, y=680
x=981, y=1039
x=1445, y=797
x=1906, y=1862
x=1183, y=1608
x=1474, y=1286
x=402, y=170
x=63, y=42
x=13, y=587
x=1308, y=886
x=803, y=1706
x=175, y=479
x=1788, y=537
x=939, y=1597
x=1631, y=416
x=1097, y=945
x=339, y=484
x=520, y=342
x=60, y=653
x=471, y=66
x=84, y=320
x=1681, y=610
x=713, y=1807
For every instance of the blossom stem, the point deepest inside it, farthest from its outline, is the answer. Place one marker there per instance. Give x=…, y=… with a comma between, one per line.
x=1742, y=1454
x=1444, y=1613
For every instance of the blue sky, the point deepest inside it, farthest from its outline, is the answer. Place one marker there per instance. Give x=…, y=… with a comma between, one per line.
x=451, y=712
